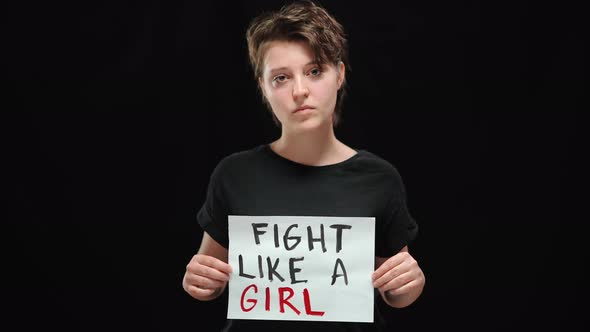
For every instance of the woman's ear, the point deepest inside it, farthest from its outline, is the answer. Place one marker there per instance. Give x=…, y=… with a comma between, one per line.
x=341, y=74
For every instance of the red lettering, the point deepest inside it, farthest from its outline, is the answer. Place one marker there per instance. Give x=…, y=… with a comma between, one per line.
x=308, y=305
x=267, y=302
x=253, y=301
x=285, y=295
x=283, y=300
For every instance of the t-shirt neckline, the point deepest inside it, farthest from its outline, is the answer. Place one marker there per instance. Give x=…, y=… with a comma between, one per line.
x=277, y=156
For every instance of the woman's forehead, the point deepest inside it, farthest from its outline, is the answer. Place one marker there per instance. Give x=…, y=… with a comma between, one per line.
x=279, y=54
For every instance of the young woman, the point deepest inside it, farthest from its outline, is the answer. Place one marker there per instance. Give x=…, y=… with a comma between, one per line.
x=299, y=57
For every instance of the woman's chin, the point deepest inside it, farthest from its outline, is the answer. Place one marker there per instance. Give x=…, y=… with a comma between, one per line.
x=308, y=125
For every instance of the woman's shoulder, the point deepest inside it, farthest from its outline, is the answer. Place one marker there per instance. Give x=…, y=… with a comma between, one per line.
x=376, y=161
x=374, y=165
x=244, y=155
x=239, y=159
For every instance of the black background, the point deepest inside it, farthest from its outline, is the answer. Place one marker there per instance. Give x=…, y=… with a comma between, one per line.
x=120, y=111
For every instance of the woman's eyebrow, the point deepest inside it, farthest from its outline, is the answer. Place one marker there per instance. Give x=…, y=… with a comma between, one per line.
x=286, y=68
x=278, y=69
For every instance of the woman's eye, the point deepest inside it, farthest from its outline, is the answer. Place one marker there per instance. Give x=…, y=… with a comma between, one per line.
x=279, y=78
x=315, y=72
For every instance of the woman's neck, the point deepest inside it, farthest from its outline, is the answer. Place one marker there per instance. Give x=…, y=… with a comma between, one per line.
x=314, y=148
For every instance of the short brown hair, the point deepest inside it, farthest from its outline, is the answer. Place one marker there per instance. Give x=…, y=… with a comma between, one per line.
x=300, y=21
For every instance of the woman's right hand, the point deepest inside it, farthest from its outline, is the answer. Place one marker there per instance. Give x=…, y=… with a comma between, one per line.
x=205, y=277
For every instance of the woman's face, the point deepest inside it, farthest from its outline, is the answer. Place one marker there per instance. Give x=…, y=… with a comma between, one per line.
x=301, y=93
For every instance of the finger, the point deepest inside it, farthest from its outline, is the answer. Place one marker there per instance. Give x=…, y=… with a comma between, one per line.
x=215, y=263
x=202, y=282
x=197, y=292
x=389, y=264
x=206, y=271
x=405, y=289
x=390, y=275
x=398, y=282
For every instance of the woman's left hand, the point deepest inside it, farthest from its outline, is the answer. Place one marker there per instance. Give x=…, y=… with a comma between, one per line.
x=399, y=278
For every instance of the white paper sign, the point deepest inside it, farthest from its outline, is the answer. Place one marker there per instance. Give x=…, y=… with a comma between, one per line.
x=301, y=268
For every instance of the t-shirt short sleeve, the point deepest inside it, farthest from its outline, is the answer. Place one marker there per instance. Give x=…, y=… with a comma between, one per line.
x=212, y=217
x=398, y=227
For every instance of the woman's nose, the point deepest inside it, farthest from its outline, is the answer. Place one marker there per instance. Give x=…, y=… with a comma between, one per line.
x=300, y=89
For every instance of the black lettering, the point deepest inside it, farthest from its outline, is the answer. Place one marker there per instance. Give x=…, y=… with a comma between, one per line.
x=311, y=239
x=286, y=237
x=339, y=228
x=276, y=231
x=272, y=269
x=241, y=264
x=260, y=267
x=293, y=269
x=336, y=275
x=257, y=232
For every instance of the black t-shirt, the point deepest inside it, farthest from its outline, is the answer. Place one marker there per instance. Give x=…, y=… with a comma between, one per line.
x=260, y=182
